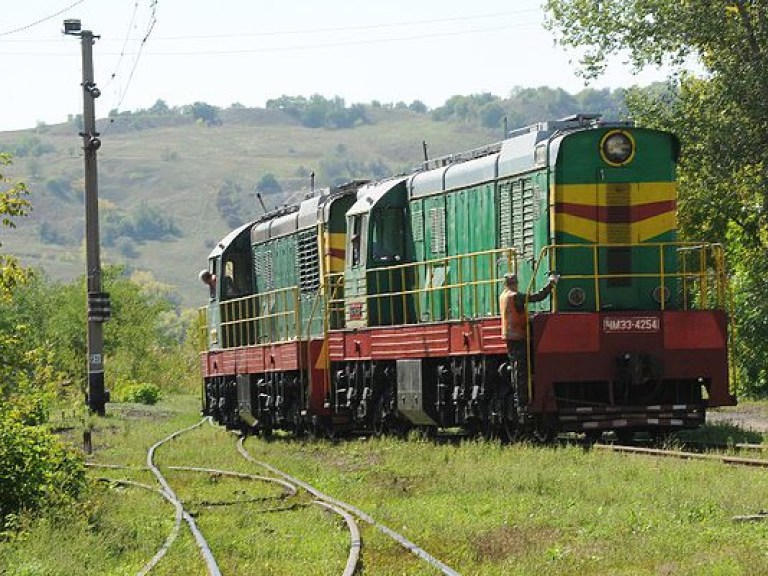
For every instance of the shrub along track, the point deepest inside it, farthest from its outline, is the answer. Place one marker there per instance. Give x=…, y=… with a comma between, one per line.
x=289, y=490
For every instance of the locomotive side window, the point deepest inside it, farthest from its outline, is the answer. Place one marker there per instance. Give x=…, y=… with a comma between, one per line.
x=213, y=269
x=357, y=227
x=387, y=235
x=236, y=280
x=228, y=282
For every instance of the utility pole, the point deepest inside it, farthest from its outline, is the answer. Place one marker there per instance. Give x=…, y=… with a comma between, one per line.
x=98, y=301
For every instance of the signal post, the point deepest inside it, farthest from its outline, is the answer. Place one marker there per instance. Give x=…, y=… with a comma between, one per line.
x=98, y=301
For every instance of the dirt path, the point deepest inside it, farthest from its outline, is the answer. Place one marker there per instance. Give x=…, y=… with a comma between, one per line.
x=749, y=416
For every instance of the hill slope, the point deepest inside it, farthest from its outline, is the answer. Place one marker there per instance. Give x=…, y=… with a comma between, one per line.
x=159, y=187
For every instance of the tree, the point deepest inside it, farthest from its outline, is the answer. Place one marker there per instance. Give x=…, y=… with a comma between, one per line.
x=268, y=184
x=205, y=113
x=38, y=470
x=418, y=106
x=721, y=119
x=13, y=204
x=160, y=108
x=319, y=112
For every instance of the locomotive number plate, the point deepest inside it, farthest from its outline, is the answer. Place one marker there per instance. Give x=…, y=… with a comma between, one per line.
x=631, y=324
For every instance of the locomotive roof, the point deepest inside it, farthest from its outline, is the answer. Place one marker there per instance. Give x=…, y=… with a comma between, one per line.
x=512, y=156
x=313, y=209
x=228, y=239
x=369, y=195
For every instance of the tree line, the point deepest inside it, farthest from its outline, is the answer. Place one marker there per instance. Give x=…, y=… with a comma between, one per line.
x=721, y=120
x=520, y=107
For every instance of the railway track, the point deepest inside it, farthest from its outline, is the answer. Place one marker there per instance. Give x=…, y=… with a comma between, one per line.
x=290, y=489
x=728, y=459
x=295, y=493
x=183, y=513
x=352, y=511
x=175, y=503
x=687, y=455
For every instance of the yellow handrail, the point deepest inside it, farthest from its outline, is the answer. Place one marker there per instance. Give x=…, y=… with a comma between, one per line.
x=202, y=328
x=242, y=324
x=709, y=273
x=423, y=284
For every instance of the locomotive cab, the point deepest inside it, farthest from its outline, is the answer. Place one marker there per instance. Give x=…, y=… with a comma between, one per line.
x=229, y=275
x=378, y=249
x=230, y=280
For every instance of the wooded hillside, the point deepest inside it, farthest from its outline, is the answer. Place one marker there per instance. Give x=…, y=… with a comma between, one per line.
x=173, y=181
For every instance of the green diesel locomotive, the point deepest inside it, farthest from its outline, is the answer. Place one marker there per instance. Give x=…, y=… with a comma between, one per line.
x=374, y=306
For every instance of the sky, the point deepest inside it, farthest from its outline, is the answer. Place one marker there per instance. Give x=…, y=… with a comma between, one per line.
x=249, y=51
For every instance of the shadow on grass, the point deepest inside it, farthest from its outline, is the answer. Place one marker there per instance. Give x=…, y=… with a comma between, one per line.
x=721, y=433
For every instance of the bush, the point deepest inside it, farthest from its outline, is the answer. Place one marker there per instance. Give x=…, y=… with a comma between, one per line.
x=137, y=392
x=38, y=471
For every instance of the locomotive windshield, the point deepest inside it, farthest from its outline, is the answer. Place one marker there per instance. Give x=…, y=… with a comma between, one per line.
x=387, y=235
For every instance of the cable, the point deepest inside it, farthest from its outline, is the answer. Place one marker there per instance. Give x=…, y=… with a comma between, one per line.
x=303, y=32
x=150, y=27
x=28, y=26
x=346, y=43
x=304, y=47
x=308, y=31
x=125, y=43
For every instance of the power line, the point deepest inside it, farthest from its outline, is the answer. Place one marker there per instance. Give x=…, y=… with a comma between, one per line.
x=125, y=43
x=307, y=31
x=36, y=22
x=150, y=26
x=347, y=42
x=316, y=46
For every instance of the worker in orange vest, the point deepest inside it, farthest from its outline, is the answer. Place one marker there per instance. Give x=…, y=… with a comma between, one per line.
x=514, y=329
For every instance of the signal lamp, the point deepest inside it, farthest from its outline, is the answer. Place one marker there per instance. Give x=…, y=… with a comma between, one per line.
x=72, y=27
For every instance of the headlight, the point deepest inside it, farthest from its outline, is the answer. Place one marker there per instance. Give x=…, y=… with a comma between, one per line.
x=658, y=294
x=576, y=296
x=617, y=148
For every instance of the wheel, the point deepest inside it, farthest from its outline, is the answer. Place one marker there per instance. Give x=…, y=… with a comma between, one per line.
x=543, y=434
x=380, y=417
x=592, y=436
x=245, y=429
x=624, y=436
x=509, y=421
x=487, y=425
x=401, y=428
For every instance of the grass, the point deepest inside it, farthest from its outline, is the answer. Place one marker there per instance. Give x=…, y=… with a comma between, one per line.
x=480, y=507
